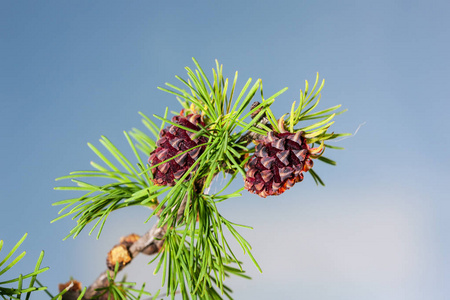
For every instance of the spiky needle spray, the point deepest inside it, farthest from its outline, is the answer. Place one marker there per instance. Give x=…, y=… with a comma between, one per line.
x=217, y=130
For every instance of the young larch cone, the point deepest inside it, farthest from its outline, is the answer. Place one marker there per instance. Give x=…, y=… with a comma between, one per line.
x=173, y=141
x=278, y=163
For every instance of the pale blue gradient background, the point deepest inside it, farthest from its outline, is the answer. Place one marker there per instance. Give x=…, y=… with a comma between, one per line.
x=72, y=71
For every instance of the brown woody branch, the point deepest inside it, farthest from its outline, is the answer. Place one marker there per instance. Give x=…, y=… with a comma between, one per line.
x=130, y=246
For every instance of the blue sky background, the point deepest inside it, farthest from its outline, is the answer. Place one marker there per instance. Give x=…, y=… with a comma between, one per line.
x=72, y=71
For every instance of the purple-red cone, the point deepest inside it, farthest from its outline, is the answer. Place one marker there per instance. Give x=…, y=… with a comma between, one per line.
x=173, y=141
x=278, y=163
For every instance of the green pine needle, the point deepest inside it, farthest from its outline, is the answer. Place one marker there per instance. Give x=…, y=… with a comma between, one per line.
x=5, y=284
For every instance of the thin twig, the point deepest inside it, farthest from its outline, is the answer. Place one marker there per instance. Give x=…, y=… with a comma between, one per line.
x=250, y=136
x=150, y=243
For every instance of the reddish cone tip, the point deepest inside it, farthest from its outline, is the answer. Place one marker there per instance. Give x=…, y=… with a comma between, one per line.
x=173, y=141
x=277, y=164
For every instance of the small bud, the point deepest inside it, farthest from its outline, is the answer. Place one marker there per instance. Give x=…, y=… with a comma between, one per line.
x=118, y=254
x=76, y=286
x=129, y=239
